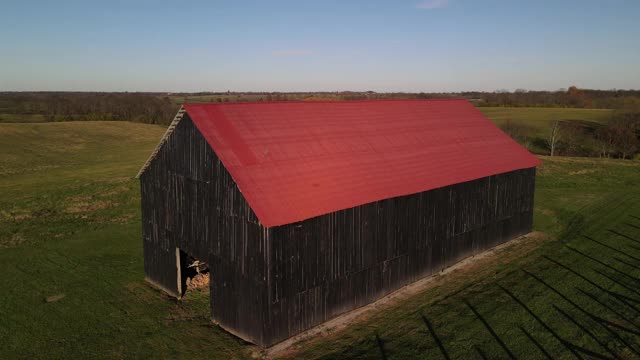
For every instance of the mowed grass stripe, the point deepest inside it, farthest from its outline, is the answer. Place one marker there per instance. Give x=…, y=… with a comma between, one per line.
x=461, y=336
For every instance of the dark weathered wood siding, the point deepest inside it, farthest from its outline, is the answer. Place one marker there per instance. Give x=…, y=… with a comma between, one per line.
x=189, y=201
x=270, y=284
x=325, y=266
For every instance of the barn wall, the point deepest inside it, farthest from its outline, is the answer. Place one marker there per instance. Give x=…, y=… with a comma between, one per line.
x=325, y=266
x=189, y=201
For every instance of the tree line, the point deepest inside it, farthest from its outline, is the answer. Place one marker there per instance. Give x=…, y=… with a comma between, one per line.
x=68, y=106
x=571, y=97
x=617, y=138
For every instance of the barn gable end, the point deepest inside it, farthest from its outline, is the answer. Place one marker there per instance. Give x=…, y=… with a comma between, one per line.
x=191, y=204
x=206, y=192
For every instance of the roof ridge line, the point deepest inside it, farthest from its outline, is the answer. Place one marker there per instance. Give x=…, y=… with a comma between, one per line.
x=163, y=140
x=256, y=102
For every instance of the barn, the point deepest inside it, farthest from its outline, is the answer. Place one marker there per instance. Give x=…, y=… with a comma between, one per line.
x=303, y=211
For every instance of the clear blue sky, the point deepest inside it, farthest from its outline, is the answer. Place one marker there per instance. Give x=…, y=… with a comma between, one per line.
x=402, y=45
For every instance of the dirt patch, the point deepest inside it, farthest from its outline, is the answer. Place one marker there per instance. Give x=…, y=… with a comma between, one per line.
x=79, y=198
x=114, y=191
x=582, y=172
x=124, y=219
x=54, y=298
x=14, y=215
x=197, y=282
x=471, y=267
x=119, y=180
x=20, y=217
x=88, y=206
x=23, y=170
x=12, y=241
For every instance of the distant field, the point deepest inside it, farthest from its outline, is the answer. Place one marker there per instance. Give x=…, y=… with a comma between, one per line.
x=538, y=121
x=70, y=225
x=541, y=117
x=216, y=98
x=14, y=118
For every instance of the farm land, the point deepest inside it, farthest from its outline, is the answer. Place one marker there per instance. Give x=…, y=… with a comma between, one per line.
x=71, y=261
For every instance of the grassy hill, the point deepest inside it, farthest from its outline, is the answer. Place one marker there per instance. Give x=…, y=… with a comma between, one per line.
x=70, y=225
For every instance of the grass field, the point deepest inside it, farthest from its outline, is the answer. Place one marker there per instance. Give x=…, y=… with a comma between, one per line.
x=70, y=225
x=590, y=210
x=538, y=121
x=541, y=117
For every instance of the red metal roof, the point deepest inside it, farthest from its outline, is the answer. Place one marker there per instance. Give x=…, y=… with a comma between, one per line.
x=297, y=160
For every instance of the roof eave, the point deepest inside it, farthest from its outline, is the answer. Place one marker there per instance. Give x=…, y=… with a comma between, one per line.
x=163, y=140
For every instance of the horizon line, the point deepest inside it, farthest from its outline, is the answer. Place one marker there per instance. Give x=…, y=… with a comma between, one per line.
x=313, y=91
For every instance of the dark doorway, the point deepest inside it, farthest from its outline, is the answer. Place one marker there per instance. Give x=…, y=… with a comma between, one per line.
x=194, y=273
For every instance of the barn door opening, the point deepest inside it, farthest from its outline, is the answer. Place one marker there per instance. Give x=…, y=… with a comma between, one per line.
x=194, y=272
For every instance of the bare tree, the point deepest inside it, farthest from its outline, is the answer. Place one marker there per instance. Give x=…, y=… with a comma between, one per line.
x=554, y=136
x=606, y=138
x=626, y=141
x=625, y=131
x=573, y=138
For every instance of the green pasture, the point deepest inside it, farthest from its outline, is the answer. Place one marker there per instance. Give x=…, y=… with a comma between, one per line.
x=70, y=226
